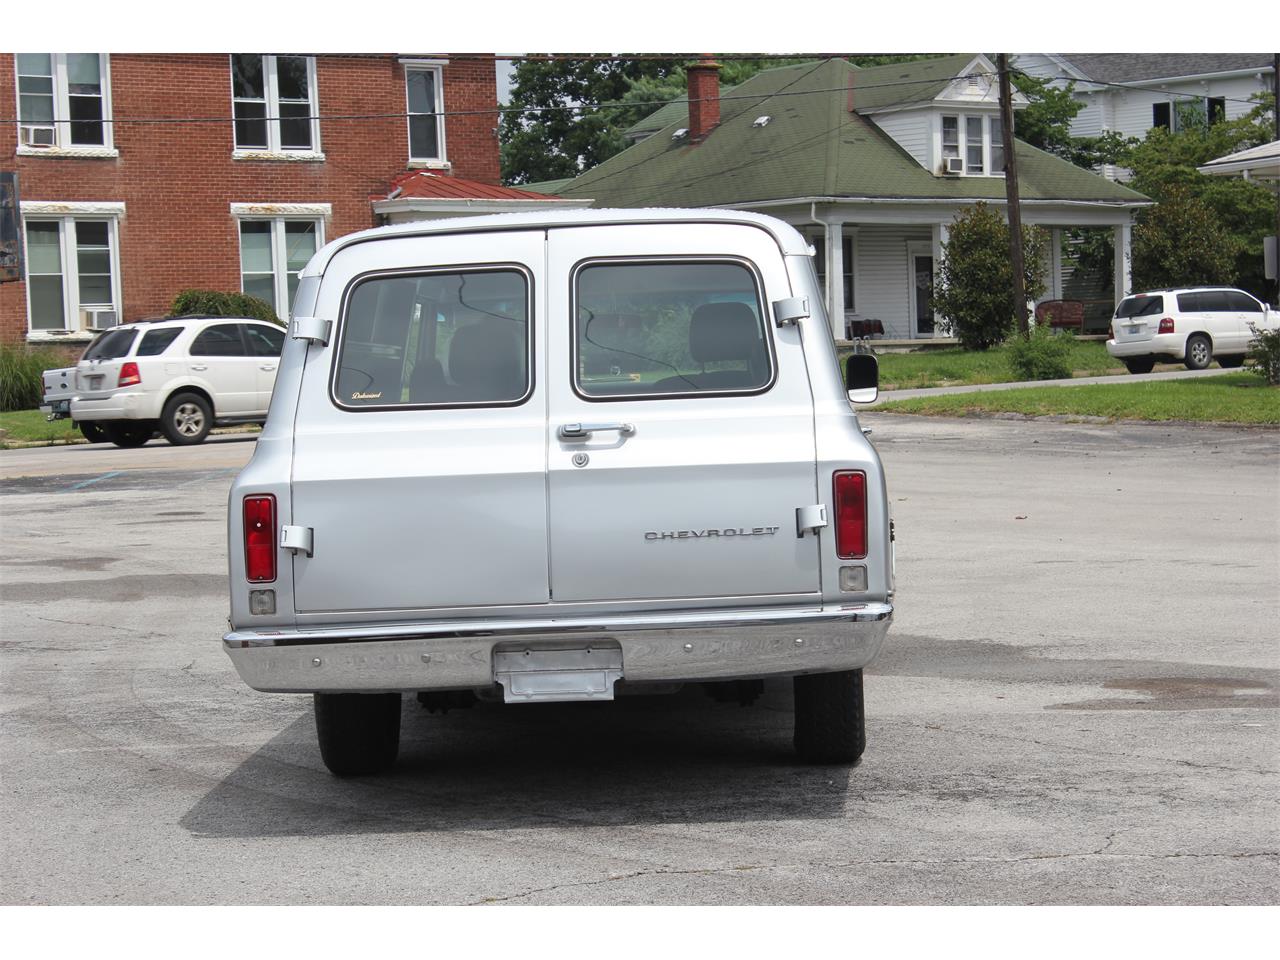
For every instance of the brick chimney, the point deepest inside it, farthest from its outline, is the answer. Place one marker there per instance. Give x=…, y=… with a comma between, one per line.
x=704, y=98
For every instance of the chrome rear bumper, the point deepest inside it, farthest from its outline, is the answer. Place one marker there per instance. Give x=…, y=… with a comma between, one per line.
x=718, y=645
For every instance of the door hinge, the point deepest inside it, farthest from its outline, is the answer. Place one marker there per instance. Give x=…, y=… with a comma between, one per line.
x=297, y=539
x=310, y=328
x=810, y=518
x=790, y=310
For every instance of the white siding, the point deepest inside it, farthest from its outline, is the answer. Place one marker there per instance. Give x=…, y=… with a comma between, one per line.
x=1089, y=121
x=1131, y=108
x=910, y=130
x=881, y=279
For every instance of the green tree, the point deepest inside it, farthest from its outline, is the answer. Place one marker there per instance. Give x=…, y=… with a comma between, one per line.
x=1180, y=243
x=1164, y=168
x=1046, y=123
x=973, y=287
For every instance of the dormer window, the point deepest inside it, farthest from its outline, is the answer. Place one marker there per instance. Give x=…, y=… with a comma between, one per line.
x=972, y=145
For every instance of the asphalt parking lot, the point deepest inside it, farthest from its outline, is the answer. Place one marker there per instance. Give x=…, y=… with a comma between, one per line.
x=1076, y=704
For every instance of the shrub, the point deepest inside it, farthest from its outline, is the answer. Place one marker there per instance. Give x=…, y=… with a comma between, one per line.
x=1264, y=348
x=20, y=368
x=974, y=285
x=1180, y=243
x=218, y=304
x=1044, y=355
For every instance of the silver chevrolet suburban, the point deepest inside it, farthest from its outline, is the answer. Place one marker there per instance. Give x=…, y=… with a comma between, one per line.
x=559, y=456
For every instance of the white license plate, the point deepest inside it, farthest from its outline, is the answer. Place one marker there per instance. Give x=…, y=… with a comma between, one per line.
x=1133, y=329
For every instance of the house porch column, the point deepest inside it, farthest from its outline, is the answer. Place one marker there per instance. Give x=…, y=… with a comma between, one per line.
x=1124, y=260
x=941, y=236
x=1053, y=288
x=835, y=277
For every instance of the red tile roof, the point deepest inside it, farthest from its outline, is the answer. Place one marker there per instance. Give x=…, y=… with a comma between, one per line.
x=424, y=183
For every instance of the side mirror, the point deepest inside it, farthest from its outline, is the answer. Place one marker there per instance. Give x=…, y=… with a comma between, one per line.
x=862, y=377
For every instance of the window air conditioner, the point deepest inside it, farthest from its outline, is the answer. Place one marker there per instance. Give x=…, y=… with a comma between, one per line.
x=95, y=319
x=954, y=165
x=37, y=136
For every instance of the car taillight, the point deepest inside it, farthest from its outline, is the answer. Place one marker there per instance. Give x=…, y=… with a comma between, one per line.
x=260, y=539
x=1166, y=325
x=129, y=375
x=850, y=496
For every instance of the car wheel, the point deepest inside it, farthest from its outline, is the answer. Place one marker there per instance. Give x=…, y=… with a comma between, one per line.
x=830, y=722
x=126, y=433
x=1140, y=364
x=187, y=419
x=1231, y=362
x=93, y=431
x=359, y=733
x=1199, y=352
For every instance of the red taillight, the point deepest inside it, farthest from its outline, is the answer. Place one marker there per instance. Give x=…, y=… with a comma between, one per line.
x=260, y=539
x=1166, y=325
x=850, y=495
x=129, y=375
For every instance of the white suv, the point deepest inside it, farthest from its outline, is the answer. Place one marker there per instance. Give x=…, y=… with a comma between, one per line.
x=179, y=375
x=1194, y=325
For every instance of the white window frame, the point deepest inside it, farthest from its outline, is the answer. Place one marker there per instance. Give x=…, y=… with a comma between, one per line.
x=277, y=214
x=62, y=145
x=271, y=91
x=65, y=215
x=427, y=66
x=962, y=130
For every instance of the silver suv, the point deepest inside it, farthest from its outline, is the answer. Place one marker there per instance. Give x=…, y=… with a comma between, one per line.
x=178, y=375
x=554, y=457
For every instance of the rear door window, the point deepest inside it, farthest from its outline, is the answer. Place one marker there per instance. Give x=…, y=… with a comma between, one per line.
x=221, y=340
x=649, y=330
x=1214, y=301
x=448, y=338
x=263, y=341
x=1140, y=306
x=112, y=345
x=156, y=342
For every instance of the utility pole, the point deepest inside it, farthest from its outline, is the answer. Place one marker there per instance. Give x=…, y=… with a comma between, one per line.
x=1011, y=193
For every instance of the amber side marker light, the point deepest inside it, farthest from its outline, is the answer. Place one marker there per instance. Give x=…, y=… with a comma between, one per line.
x=260, y=538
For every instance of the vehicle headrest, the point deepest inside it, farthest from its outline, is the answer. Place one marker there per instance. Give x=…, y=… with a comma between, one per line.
x=723, y=331
x=488, y=355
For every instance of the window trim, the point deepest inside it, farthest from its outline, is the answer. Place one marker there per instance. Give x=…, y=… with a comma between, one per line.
x=531, y=372
x=302, y=213
x=435, y=67
x=761, y=311
x=962, y=118
x=62, y=145
x=47, y=212
x=271, y=95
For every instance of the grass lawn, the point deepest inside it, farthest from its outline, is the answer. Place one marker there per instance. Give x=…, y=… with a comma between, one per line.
x=30, y=425
x=1230, y=398
x=952, y=366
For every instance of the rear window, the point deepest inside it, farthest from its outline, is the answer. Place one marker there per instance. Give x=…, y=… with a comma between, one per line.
x=669, y=329
x=1143, y=306
x=456, y=338
x=222, y=340
x=156, y=342
x=114, y=344
x=1207, y=301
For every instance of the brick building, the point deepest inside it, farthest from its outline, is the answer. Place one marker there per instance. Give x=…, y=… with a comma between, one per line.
x=122, y=208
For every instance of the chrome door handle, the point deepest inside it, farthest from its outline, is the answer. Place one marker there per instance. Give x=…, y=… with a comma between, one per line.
x=581, y=431
x=199, y=366
x=268, y=369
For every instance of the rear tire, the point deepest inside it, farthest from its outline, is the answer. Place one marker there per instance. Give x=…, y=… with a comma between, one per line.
x=186, y=420
x=1199, y=352
x=93, y=431
x=359, y=733
x=1140, y=364
x=128, y=433
x=830, y=719
x=1231, y=362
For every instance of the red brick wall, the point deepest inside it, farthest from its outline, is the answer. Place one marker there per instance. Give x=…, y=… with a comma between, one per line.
x=178, y=180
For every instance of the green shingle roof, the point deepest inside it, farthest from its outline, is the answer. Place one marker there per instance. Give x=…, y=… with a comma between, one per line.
x=815, y=146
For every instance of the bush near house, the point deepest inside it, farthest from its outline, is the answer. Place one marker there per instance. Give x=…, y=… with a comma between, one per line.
x=1264, y=350
x=20, y=368
x=1180, y=243
x=974, y=285
x=1044, y=355
x=215, y=303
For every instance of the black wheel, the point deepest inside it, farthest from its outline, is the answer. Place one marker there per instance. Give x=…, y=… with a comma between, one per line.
x=1231, y=362
x=128, y=433
x=1199, y=352
x=830, y=721
x=359, y=733
x=187, y=419
x=1140, y=364
x=92, y=431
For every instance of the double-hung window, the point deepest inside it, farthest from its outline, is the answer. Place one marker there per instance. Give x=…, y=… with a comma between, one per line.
x=272, y=253
x=972, y=142
x=424, y=100
x=274, y=103
x=63, y=102
x=73, y=273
